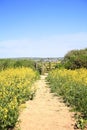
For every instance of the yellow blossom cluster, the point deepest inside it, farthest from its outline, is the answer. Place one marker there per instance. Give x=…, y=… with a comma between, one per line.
x=15, y=88
x=72, y=86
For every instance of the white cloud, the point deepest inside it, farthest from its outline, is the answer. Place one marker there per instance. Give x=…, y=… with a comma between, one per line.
x=52, y=46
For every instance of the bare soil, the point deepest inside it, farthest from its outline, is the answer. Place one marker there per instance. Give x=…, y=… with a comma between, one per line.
x=46, y=111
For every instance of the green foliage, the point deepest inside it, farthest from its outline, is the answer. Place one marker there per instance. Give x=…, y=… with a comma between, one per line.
x=80, y=122
x=59, y=66
x=14, y=63
x=72, y=86
x=75, y=59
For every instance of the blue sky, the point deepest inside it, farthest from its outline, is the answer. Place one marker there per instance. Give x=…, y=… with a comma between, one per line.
x=42, y=28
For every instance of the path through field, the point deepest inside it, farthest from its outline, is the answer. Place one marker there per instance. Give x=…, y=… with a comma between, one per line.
x=46, y=111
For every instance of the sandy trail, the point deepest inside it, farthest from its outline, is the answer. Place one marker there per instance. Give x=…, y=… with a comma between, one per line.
x=45, y=112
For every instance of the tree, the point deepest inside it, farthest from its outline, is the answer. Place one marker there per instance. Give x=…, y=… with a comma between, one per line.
x=75, y=59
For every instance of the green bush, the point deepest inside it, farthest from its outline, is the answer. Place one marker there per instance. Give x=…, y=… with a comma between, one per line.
x=14, y=63
x=75, y=59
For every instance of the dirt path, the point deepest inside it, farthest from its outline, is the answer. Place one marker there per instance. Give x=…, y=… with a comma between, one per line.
x=46, y=112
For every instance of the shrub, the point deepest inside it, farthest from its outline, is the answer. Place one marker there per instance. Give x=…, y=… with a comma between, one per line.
x=75, y=59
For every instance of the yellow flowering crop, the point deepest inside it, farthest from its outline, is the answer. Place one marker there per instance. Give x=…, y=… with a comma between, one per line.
x=15, y=88
x=72, y=86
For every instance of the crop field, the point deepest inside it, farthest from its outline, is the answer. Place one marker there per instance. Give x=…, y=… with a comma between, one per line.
x=72, y=86
x=15, y=89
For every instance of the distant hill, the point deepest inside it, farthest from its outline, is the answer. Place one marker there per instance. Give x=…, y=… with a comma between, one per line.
x=38, y=59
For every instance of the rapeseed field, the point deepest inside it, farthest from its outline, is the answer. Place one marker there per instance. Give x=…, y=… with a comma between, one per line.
x=15, y=89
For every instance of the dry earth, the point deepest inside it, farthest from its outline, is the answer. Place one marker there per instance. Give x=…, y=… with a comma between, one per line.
x=46, y=111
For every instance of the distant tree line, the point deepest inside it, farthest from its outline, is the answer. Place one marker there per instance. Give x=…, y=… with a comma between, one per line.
x=11, y=63
x=40, y=66
x=74, y=59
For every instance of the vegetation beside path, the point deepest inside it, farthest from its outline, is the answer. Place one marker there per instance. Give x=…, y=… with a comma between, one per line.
x=72, y=86
x=46, y=111
x=15, y=89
